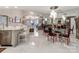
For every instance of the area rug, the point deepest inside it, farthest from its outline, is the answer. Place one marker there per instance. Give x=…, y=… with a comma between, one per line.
x=2, y=49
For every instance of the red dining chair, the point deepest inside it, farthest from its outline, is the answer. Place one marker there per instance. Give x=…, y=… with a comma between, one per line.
x=51, y=34
x=66, y=36
x=45, y=30
x=63, y=26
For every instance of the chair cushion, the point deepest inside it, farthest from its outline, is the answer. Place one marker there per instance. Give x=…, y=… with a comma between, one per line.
x=52, y=34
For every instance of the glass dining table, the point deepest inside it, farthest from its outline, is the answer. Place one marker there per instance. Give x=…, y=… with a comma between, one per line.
x=58, y=32
x=62, y=31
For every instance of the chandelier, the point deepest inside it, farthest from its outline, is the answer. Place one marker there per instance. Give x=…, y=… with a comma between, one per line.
x=53, y=13
x=63, y=17
x=53, y=7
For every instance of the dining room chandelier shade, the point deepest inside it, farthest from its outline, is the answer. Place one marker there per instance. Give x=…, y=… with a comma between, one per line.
x=54, y=7
x=63, y=17
x=53, y=13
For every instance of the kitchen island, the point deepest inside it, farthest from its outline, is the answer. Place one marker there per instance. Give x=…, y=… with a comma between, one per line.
x=9, y=35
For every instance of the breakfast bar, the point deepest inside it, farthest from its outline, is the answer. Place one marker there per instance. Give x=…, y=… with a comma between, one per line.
x=9, y=35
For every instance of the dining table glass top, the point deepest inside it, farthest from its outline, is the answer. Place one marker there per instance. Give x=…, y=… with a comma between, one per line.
x=59, y=30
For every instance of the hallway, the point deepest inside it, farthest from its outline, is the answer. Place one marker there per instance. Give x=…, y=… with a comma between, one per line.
x=40, y=44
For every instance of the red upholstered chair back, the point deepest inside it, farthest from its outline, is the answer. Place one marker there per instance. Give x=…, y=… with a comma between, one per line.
x=68, y=32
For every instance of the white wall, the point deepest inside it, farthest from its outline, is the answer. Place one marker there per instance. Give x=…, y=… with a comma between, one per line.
x=11, y=13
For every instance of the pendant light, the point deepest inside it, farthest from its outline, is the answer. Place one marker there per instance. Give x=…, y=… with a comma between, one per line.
x=53, y=13
x=63, y=17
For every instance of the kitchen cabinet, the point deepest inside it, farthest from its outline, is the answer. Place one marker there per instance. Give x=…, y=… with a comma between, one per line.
x=9, y=36
x=5, y=38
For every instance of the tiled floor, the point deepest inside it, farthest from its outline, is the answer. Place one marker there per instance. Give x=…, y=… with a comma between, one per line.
x=40, y=44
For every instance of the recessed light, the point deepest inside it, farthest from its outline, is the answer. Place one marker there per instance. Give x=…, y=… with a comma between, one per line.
x=15, y=7
x=31, y=12
x=6, y=7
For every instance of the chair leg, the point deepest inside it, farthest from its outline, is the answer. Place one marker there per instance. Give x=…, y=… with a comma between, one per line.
x=60, y=38
x=48, y=37
x=68, y=41
x=53, y=39
x=56, y=38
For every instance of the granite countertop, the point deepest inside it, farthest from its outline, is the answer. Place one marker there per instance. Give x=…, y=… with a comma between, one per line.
x=12, y=28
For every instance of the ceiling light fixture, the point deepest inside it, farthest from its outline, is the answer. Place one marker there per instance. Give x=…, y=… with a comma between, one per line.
x=6, y=7
x=53, y=13
x=15, y=7
x=53, y=7
x=31, y=13
x=63, y=17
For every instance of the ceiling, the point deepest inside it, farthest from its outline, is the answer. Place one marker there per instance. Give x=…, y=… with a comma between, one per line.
x=40, y=9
